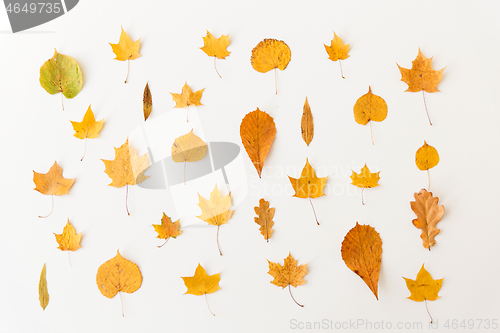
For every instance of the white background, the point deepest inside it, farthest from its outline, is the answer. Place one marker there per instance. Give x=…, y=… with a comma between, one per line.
x=461, y=35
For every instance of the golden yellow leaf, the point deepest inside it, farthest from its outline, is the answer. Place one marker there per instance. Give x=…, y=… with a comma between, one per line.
x=215, y=211
x=201, y=283
x=306, y=124
x=365, y=179
x=88, y=127
x=337, y=49
x=264, y=218
x=270, y=54
x=52, y=182
x=290, y=274
x=424, y=287
x=127, y=168
x=428, y=214
x=69, y=240
x=187, y=97
x=126, y=49
x=362, y=254
x=257, y=131
x=215, y=47
x=167, y=228
x=308, y=185
x=147, y=102
x=370, y=107
x=43, y=293
x=118, y=274
x=188, y=148
x=426, y=157
x=421, y=76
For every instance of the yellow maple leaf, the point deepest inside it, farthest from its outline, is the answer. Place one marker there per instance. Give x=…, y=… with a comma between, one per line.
x=308, y=185
x=215, y=211
x=167, y=228
x=216, y=47
x=370, y=107
x=365, y=179
x=126, y=49
x=88, y=128
x=428, y=214
x=201, y=283
x=290, y=274
x=337, y=51
x=52, y=183
x=270, y=54
x=127, y=168
x=187, y=97
x=118, y=274
x=69, y=240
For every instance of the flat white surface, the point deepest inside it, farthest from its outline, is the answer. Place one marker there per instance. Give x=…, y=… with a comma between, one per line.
x=461, y=35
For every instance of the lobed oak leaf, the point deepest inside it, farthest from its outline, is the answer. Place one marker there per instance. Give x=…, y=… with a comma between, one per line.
x=270, y=54
x=167, y=228
x=290, y=274
x=61, y=74
x=43, y=293
x=215, y=211
x=264, y=218
x=69, y=240
x=201, y=283
x=257, y=131
x=306, y=124
x=370, y=107
x=147, y=102
x=428, y=214
x=126, y=49
x=362, y=254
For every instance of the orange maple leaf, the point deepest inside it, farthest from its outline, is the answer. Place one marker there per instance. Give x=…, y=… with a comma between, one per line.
x=167, y=229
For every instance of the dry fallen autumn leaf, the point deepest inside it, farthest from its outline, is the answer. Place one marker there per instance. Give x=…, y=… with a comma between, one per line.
x=264, y=218
x=270, y=54
x=167, y=229
x=215, y=211
x=426, y=158
x=424, y=288
x=69, y=240
x=428, y=214
x=362, y=254
x=370, y=107
x=147, y=102
x=187, y=98
x=126, y=49
x=308, y=185
x=290, y=274
x=201, y=283
x=116, y=275
x=52, y=183
x=421, y=77
x=257, y=131
x=337, y=51
x=43, y=293
x=365, y=179
x=216, y=47
x=61, y=74
x=88, y=128
x=306, y=124
x=188, y=148
x=127, y=168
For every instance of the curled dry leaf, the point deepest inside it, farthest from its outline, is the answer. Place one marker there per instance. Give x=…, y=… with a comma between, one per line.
x=147, y=102
x=290, y=274
x=362, y=254
x=69, y=240
x=306, y=124
x=43, y=292
x=264, y=218
x=428, y=214
x=257, y=131
x=118, y=274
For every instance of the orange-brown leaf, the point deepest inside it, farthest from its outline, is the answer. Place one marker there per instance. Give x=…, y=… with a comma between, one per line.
x=421, y=76
x=167, y=228
x=257, y=131
x=362, y=253
x=306, y=124
x=288, y=274
x=52, y=182
x=147, y=102
x=428, y=214
x=265, y=218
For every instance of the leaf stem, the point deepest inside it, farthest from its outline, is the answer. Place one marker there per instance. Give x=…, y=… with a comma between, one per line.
x=62, y=101
x=362, y=199
x=429, y=177
x=275, y=82
x=215, y=66
x=341, y=71
x=126, y=200
x=185, y=162
x=128, y=69
x=371, y=131
x=51, y=210
x=290, y=290
x=218, y=239
x=69, y=258
x=85, y=146
x=164, y=243
x=314, y=211
x=187, y=116
x=120, y=294
x=206, y=299
x=425, y=300
x=425, y=104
